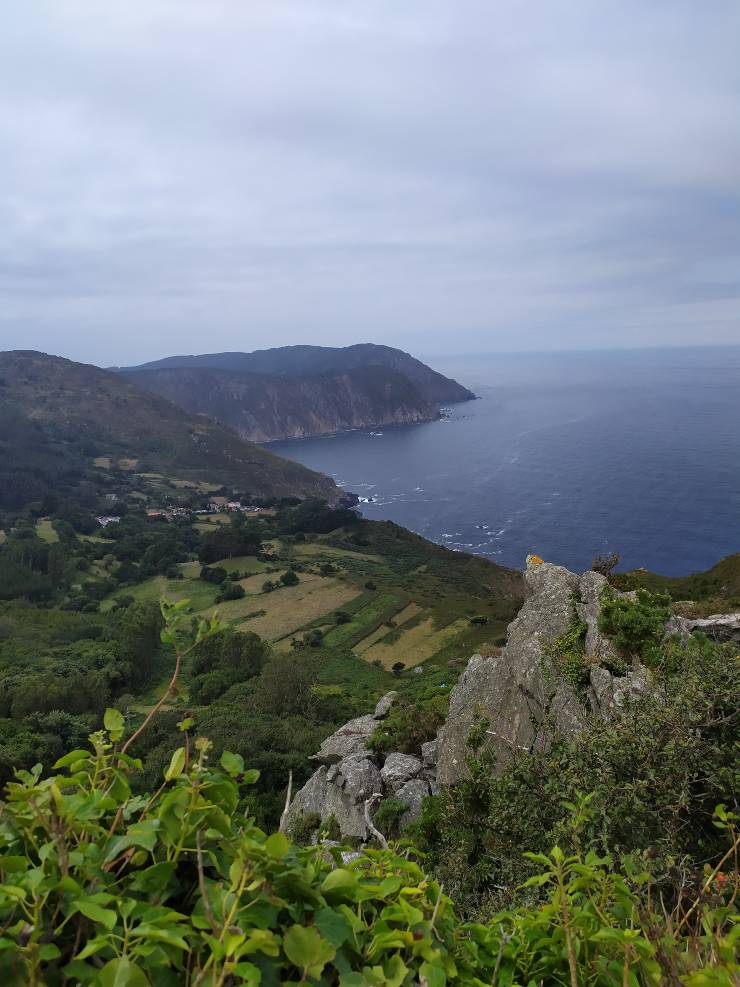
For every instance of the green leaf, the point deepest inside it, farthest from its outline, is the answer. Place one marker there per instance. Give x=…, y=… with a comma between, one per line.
x=49, y=951
x=277, y=845
x=141, y=834
x=307, y=950
x=433, y=974
x=114, y=723
x=177, y=764
x=333, y=925
x=233, y=764
x=250, y=776
x=157, y=933
x=340, y=881
x=105, y=916
x=72, y=757
x=123, y=972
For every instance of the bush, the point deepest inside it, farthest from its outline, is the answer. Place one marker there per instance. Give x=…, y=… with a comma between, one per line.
x=234, y=591
x=213, y=574
x=655, y=774
x=181, y=888
x=289, y=578
x=388, y=817
x=342, y=617
x=406, y=728
x=637, y=627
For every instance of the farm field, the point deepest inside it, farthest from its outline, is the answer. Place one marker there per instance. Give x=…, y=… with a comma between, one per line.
x=288, y=609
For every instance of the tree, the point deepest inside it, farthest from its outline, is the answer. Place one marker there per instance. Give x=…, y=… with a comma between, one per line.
x=285, y=685
x=229, y=541
x=231, y=591
x=397, y=668
x=289, y=578
x=213, y=574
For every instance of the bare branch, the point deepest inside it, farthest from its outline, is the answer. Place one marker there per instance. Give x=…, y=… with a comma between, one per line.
x=375, y=797
x=288, y=796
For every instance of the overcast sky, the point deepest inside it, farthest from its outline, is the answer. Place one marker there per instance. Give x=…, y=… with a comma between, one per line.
x=448, y=176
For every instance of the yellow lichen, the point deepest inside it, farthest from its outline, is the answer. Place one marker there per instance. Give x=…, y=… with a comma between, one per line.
x=534, y=560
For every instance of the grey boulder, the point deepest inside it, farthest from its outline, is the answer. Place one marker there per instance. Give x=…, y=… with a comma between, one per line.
x=347, y=740
x=398, y=769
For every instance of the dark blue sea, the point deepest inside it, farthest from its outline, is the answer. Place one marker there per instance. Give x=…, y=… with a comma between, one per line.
x=566, y=455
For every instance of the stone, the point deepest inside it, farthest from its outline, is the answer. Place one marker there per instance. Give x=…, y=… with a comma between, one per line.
x=385, y=704
x=398, y=769
x=609, y=693
x=514, y=690
x=361, y=778
x=598, y=647
x=348, y=740
x=413, y=794
x=353, y=780
x=429, y=753
x=326, y=799
x=721, y=627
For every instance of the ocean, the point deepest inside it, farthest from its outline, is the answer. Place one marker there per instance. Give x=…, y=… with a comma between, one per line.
x=566, y=455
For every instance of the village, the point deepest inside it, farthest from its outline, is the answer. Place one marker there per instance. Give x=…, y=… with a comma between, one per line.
x=216, y=505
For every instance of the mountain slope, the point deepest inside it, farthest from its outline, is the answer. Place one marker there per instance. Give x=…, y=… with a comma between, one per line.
x=297, y=361
x=265, y=407
x=65, y=426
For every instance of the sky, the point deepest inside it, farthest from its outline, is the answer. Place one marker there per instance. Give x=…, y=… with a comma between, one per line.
x=447, y=176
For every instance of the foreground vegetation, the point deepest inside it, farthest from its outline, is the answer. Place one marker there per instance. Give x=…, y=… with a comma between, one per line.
x=103, y=887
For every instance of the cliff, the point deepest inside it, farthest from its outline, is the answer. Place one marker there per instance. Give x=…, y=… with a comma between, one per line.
x=316, y=361
x=263, y=408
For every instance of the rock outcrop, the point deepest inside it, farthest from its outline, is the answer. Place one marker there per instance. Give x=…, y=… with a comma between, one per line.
x=522, y=694
x=557, y=672
x=719, y=627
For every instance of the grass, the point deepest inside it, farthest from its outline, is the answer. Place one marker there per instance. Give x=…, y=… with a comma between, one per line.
x=244, y=563
x=45, y=530
x=286, y=610
x=416, y=645
x=200, y=593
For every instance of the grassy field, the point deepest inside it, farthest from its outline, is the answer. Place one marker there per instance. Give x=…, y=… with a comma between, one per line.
x=404, y=600
x=288, y=609
x=45, y=530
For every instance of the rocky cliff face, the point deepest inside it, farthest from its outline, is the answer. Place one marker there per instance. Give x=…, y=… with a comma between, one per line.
x=523, y=693
x=319, y=361
x=265, y=408
x=524, y=697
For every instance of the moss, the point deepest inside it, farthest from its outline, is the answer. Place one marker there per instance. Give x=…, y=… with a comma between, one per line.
x=568, y=654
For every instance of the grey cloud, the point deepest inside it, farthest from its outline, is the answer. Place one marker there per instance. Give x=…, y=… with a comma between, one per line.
x=177, y=175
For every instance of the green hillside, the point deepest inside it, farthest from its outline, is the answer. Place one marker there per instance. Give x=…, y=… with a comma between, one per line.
x=71, y=430
x=713, y=591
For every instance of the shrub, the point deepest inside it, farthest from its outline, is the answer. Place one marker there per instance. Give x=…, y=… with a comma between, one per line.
x=407, y=727
x=213, y=574
x=568, y=654
x=289, y=578
x=636, y=626
x=234, y=591
x=100, y=887
x=341, y=617
x=655, y=774
x=606, y=564
x=388, y=817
